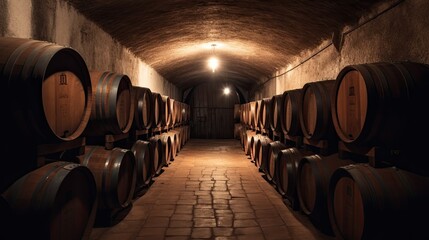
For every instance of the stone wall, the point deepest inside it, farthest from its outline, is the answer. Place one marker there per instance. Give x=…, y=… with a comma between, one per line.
x=389, y=33
x=58, y=22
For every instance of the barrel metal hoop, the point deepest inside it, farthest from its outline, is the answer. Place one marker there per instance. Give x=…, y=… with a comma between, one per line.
x=38, y=193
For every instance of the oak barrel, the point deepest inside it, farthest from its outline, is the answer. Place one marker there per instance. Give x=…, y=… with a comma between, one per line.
x=156, y=154
x=55, y=201
x=173, y=113
x=378, y=203
x=265, y=111
x=273, y=155
x=165, y=153
x=254, y=153
x=113, y=105
x=143, y=115
x=115, y=175
x=178, y=138
x=247, y=141
x=370, y=100
x=47, y=92
x=287, y=171
x=313, y=175
x=289, y=115
x=275, y=122
x=252, y=113
x=144, y=168
x=242, y=135
x=157, y=105
x=315, y=112
x=257, y=115
x=165, y=111
x=244, y=116
x=177, y=109
x=174, y=140
x=262, y=146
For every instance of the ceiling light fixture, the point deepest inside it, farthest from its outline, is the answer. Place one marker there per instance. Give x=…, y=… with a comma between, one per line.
x=213, y=61
x=226, y=91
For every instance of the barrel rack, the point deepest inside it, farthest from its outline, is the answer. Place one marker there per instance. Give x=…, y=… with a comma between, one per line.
x=375, y=156
x=109, y=141
x=323, y=146
x=67, y=151
x=293, y=141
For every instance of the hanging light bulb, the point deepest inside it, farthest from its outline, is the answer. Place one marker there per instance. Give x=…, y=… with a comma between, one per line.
x=226, y=91
x=213, y=61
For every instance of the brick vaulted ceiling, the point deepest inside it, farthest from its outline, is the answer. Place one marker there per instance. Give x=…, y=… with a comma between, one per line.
x=253, y=38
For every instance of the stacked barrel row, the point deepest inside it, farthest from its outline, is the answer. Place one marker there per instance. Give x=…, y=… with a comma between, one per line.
x=54, y=185
x=155, y=110
x=121, y=109
x=46, y=100
x=368, y=108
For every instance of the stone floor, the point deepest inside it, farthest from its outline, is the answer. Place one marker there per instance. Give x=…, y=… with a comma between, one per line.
x=210, y=191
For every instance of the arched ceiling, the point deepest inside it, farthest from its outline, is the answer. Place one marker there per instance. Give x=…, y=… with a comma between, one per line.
x=253, y=38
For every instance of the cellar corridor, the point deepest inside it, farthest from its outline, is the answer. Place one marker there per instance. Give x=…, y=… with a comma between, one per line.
x=211, y=190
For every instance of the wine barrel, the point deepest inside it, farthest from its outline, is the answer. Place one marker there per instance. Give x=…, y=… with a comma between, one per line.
x=165, y=155
x=252, y=114
x=178, y=138
x=115, y=175
x=253, y=152
x=174, y=140
x=378, y=203
x=258, y=113
x=144, y=168
x=157, y=104
x=143, y=115
x=173, y=114
x=242, y=113
x=262, y=146
x=265, y=111
x=370, y=100
x=55, y=201
x=47, y=92
x=247, y=140
x=177, y=109
x=286, y=177
x=113, y=105
x=242, y=135
x=165, y=111
x=156, y=154
x=273, y=155
x=289, y=115
x=315, y=112
x=275, y=122
x=314, y=173
x=245, y=113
